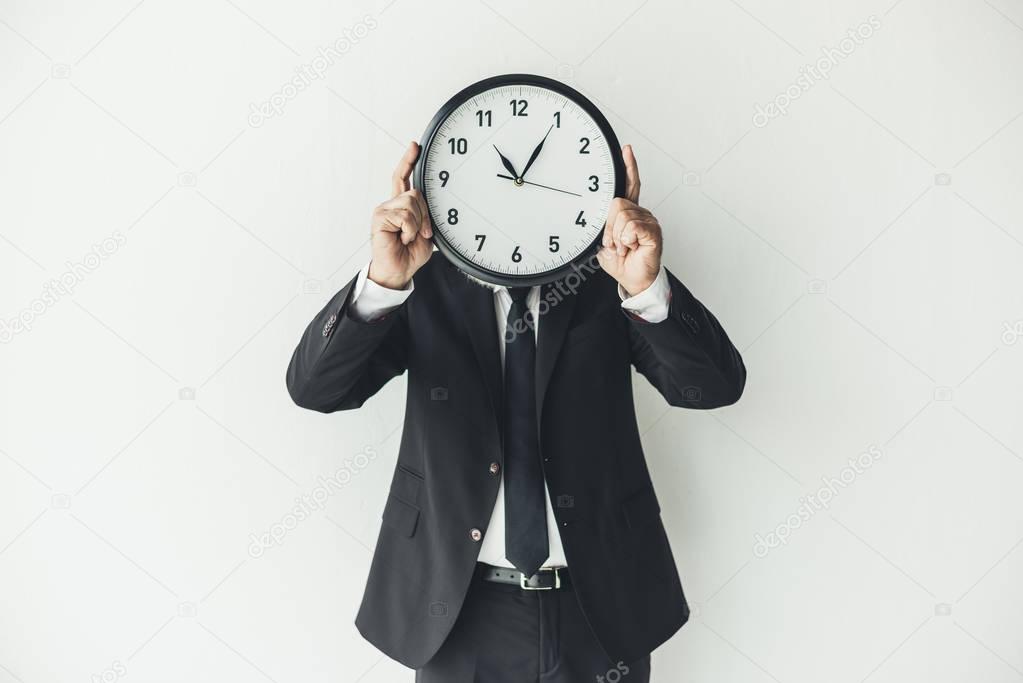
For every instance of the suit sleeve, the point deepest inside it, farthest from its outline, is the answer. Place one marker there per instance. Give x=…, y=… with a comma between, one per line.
x=342, y=360
x=687, y=356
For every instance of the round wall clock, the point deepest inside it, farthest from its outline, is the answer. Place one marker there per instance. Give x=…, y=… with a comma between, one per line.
x=518, y=172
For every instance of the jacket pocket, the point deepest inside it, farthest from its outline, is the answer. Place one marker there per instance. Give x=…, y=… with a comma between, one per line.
x=406, y=484
x=401, y=516
x=649, y=543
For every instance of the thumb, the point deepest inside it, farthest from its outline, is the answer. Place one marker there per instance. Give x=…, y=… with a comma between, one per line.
x=632, y=183
x=609, y=261
x=400, y=177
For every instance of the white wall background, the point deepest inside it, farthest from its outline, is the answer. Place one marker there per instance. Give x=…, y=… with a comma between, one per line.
x=864, y=251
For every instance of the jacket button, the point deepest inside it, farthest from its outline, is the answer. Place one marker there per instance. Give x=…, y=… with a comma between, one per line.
x=475, y=534
x=494, y=468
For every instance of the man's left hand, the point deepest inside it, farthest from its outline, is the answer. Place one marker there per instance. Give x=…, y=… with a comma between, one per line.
x=631, y=252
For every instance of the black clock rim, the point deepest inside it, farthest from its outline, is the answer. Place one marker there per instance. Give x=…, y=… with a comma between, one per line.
x=467, y=93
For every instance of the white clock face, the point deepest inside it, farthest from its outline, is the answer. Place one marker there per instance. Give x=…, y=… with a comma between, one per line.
x=518, y=180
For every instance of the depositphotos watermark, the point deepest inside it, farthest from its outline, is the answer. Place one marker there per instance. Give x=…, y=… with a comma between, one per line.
x=114, y=672
x=558, y=292
x=61, y=286
x=311, y=502
x=811, y=74
x=614, y=674
x=307, y=74
x=815, y=502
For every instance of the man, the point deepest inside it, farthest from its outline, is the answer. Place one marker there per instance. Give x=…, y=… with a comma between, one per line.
x=521, y=538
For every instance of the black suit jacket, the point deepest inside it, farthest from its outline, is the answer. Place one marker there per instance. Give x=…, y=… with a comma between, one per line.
x=445, y=336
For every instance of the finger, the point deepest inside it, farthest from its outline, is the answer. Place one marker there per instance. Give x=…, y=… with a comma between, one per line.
x=425, y=224
x=401, y=221
x=631, y=174
x=619, y=227
x=409, y=226
x=391, y=220
x=623, y=219
x=628, y=238
x=406, y=200
x=613, y=263
x=639, y=232
x=400, y=179
x=421, y=249
x=617, y=206
x=608, y=260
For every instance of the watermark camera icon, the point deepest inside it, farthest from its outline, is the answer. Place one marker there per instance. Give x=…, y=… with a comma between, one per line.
x=943, y=609
x=186, y=394
x=943, y=179
x=943, y=394
x=187, y=610
x=60, y=501
x=187, y=179
x=692, y=179
x=61, y=71
x=312, y=286
x=691, y=394
x=1012, y=333
x=817, y=287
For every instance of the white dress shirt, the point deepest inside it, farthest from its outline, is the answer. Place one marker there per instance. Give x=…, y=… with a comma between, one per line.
x=371, y=301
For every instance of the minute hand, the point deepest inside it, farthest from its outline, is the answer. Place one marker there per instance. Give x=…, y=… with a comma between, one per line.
x=536, y=153
x=546, y=187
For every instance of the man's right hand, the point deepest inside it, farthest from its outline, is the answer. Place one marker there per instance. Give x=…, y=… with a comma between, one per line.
x=401, y=230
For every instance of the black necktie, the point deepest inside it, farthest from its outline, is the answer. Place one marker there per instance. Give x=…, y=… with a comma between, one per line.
x=525, y=543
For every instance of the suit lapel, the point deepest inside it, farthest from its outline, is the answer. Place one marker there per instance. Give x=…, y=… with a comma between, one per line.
x=474, y=304
x=555, y=316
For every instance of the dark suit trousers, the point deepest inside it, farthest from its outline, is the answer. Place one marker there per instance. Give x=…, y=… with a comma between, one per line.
x=508, y=635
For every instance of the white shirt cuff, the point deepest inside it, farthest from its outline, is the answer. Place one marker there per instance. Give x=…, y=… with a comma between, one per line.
x=652, y=303
x=371, y=301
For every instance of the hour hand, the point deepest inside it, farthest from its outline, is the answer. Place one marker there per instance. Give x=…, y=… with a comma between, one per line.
x=507, y=164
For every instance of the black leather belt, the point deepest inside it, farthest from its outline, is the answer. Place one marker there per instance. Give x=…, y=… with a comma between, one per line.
x=547, y=579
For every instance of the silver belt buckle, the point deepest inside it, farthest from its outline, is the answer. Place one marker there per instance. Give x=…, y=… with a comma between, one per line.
x=526, y=587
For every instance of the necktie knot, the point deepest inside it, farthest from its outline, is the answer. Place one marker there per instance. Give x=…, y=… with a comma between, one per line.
x=519, y=294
